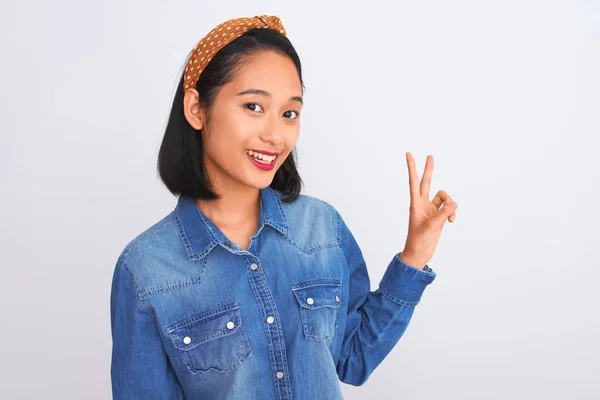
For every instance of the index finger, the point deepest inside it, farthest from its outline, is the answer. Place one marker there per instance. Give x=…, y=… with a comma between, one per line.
x=413, y=177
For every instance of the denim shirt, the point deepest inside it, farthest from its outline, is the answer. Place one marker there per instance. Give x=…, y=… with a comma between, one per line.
x=194, y=316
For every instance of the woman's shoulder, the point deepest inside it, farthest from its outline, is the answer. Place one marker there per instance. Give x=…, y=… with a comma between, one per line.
x=308, y=208
x=155, y=238
x=307, y=202
x=312, y=222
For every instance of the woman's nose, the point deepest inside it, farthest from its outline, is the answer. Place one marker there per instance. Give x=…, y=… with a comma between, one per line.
x=273, y=131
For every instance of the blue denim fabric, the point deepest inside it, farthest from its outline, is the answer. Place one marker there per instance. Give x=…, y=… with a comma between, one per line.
x=194, y=316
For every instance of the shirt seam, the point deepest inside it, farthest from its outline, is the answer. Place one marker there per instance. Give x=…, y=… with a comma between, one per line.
x=125, y=267
x=370, y=345
x=144, y=240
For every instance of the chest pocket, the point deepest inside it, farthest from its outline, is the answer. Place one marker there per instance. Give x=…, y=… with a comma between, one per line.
x=319, y=301
x=212, y=340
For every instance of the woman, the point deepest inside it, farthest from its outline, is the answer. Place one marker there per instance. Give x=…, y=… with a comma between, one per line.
x=248, y=289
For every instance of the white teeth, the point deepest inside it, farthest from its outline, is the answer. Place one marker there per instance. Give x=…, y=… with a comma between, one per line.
x=262, y=157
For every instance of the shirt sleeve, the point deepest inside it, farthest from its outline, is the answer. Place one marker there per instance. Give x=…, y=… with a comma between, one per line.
x=375, y=319
x=139, y=366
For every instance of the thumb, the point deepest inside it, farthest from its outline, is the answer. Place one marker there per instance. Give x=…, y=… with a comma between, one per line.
x=443, y=213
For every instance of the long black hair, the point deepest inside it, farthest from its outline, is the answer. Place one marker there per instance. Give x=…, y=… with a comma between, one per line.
x=180, y=158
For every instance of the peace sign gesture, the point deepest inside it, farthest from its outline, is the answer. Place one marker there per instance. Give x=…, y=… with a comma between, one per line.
x=426, y=218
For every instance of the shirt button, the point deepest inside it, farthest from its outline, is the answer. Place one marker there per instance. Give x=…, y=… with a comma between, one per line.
x=270, y=319
x=254, y=267
x=337, y=299
x=230, y=325
x=279, y=375
x=310, y=301
x=187, y=340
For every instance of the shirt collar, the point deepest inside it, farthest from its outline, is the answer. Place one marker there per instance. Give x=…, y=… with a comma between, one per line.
x=200, y=235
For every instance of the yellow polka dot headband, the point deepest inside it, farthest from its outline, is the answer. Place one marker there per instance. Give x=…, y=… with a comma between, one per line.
x=218, y=38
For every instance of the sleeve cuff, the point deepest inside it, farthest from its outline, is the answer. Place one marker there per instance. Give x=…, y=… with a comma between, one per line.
x=404, y=282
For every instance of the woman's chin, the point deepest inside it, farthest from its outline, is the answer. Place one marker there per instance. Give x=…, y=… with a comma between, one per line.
x=259, y=184
x=256, y=182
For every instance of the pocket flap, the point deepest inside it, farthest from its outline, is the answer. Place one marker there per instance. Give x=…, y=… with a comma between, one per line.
x=193, y=331
x=318, y=293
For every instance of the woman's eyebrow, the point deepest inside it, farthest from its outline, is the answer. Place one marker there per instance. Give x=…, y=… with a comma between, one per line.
x=267, y=94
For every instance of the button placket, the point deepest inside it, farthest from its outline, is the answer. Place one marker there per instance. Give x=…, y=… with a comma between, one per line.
x=274, y=335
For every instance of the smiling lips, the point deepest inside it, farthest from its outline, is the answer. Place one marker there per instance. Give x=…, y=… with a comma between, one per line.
x=262, y=159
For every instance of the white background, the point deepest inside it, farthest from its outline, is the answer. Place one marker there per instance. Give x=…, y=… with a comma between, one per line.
x=504, y=94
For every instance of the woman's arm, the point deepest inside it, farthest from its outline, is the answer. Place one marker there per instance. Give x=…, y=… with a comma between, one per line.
x=375, y=320
x=140, y=368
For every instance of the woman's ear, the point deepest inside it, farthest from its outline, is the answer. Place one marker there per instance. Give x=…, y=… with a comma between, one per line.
x=192, y=110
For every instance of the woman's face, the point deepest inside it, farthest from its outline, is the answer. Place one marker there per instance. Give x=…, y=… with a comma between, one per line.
x=254, y=123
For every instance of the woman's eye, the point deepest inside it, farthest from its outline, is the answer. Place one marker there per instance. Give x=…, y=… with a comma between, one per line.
x=253, y=107
x=292, y=112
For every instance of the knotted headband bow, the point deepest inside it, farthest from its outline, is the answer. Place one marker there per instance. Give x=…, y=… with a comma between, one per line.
x=218, y=38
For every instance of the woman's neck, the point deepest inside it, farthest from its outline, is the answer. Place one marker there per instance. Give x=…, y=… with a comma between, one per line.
x=235, y=208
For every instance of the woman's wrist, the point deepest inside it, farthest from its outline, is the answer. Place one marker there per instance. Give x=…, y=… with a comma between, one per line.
x=412, y=260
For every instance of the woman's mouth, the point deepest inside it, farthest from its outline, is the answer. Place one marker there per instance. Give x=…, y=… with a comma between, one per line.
x=264, y=161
